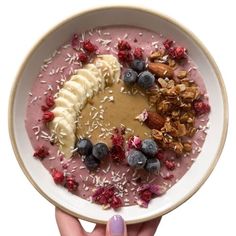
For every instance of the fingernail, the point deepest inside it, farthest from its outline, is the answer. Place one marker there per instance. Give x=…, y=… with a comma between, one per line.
x=116, y=226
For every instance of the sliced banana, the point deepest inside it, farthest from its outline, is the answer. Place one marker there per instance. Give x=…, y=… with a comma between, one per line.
x=85, y=83
x=66, y=113
x=106, y=70
x=71, y=99
x=116, y=67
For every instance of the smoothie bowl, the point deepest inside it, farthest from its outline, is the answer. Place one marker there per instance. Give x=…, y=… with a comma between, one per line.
x=118, y=110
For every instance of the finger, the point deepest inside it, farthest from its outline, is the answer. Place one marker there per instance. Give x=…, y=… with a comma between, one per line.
x=99, y=230
x=68, y=225
x=116, y=226
x=133, y=229
x=149, y=228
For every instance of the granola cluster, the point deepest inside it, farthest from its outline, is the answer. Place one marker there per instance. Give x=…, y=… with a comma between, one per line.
x=174, y=100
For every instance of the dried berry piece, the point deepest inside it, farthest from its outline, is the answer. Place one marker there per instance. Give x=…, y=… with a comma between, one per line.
x=117, y=153
x=89, y=47
x=201, y=107
x=116, y=202
x=134, y=142
x=168, y=43
x=75, y=42
x=58, y=176
x=41, y=152
x=138, y=53
x=146, y=195
x=71, y=184
x=83, y=57
x=50, y=101
x=170, y=165
x=125, y=56
x=124, y=45
x=48, y=116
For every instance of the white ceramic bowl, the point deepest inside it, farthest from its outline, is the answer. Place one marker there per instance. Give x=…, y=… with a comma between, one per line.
x=199, y=171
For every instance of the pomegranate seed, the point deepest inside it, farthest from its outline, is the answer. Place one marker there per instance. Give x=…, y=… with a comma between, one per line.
x=48, y=116
x=123, y=45
x=83, y=57
x=138, y=53
x=89, y=47
x=50, y=101
x=170, y=165
x=167, y=43
x=58, y=176
x=41, y=152
x=146, y=195
x=201, y=107
x=116, y=202
x=71, y=184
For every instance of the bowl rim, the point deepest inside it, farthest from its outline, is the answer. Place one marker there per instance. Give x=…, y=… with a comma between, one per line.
x=155, y=13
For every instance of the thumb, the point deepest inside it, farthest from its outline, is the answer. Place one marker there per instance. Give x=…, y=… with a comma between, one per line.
x=116, y=226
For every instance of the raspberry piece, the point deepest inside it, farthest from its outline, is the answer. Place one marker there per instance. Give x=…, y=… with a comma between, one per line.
x=167, y=43
x=170, y=165
x=44, y=108
x=117, y=153
x=116, y=202
x=41, y=152
x=71, y=184
x=146, y=195
x=75, y=41
x=50, y=101
x=83, y=57
x=201, y=107
x=58, y=176
x=160, y=155
x=134, y=142
x=125, y=56
x=180, y=52
x=89, y=47
x=138, y=53
x=48, y=116
x=124, y=45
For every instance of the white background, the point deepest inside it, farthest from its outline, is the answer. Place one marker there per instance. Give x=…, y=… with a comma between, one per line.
x=211, y=211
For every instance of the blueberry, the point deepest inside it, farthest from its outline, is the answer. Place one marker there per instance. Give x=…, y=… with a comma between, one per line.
x=130, y=77
x=84, y=146
x=138, y=65
x=153, y=165
x=146, y=80
x=136, y=159
x=149, y=147
x=91, y=162
x=100, y=151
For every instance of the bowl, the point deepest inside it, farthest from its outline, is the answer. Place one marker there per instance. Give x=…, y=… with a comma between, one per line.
x=195, y=176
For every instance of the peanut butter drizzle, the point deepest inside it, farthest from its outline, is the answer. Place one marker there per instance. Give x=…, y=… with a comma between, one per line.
x=114, y=107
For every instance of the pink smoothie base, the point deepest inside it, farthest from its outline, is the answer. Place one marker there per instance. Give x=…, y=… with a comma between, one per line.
x=57, y=69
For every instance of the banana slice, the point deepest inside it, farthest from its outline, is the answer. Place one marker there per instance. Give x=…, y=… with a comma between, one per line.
x=97, y=73
x=115, y=65
x=105, y=69
x=71, y=99
x=66, y=113
x=85, y=83
x=69, y=95
x=90, y=77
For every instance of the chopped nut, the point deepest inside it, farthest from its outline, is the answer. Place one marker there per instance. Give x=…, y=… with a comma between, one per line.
x=171, y=62
x=156, y=55
x=157, y=135
x=182, y=74
x=187, y=146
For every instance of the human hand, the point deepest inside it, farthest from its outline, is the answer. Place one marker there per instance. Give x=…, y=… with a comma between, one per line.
x=70, y=226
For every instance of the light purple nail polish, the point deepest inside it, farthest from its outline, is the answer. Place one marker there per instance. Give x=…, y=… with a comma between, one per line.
x=116, y=226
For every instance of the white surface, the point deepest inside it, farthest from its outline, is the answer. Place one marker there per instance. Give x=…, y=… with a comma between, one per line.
x=23, y=210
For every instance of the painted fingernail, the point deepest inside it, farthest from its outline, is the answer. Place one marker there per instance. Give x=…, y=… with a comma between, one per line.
x=116, y=226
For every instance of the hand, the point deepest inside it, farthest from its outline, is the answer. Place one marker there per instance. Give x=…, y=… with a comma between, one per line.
x=70, y=226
